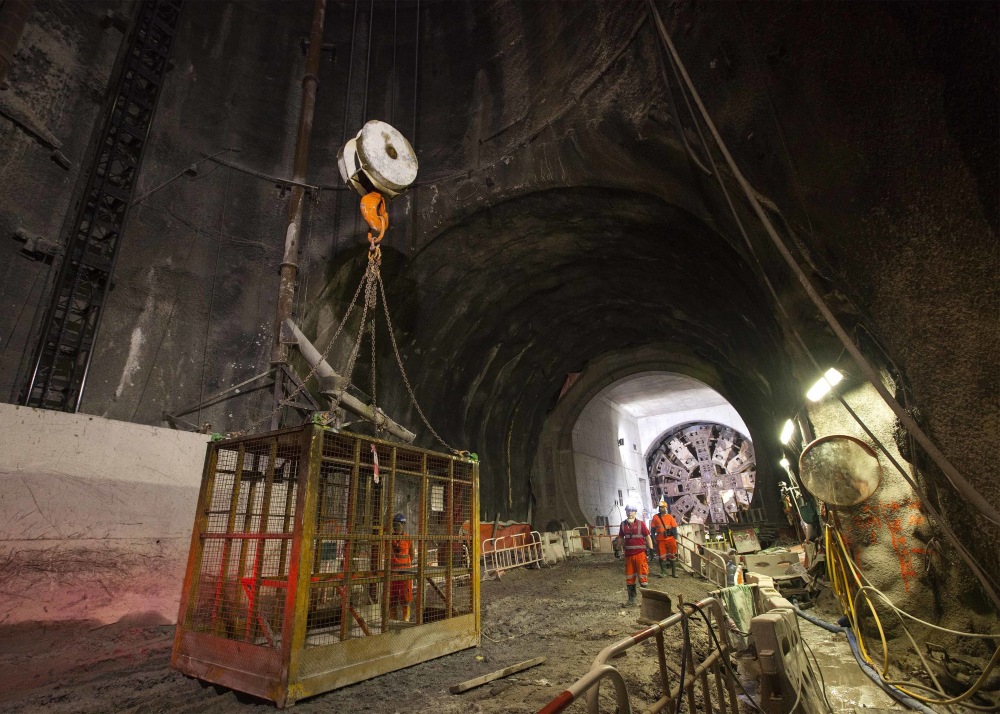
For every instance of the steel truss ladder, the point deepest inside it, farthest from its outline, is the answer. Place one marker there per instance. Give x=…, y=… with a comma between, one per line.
x=68, y=332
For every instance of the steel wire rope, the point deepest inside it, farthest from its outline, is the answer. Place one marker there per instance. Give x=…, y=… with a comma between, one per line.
x=402, y=371
x=412, y=196
x=963, y=553
x=211, y=299
x=312, y=372
x=951, y=473
x=24, y=304
x=347, y=117
x=368, y=68
x=672, y=103
x=777, y=121
x=170, y=180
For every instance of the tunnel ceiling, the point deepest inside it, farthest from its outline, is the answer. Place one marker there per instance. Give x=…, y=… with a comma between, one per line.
x=495, y=312
x=661, y=393
x=556, y=218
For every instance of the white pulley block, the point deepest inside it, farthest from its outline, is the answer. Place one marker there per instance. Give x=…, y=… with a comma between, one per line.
x=379, y=159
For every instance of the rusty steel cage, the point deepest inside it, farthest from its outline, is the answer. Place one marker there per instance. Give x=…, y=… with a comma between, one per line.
x=292, y=587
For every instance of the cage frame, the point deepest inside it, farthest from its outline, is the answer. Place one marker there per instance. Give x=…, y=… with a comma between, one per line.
x=280, y=676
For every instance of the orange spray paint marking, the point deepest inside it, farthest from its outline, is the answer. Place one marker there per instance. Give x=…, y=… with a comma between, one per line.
x=891, y=516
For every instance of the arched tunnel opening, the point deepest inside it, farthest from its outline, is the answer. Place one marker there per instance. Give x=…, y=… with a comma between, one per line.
x=435, y=355
x=503, y=306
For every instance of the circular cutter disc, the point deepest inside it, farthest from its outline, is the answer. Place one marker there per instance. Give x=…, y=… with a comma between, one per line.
x=840, y=470
x=387, y=156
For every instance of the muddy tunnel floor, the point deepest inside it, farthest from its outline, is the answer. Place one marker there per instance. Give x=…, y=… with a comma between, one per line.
x=567, y=613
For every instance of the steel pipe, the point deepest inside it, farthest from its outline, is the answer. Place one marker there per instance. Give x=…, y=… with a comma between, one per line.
x=323, y=370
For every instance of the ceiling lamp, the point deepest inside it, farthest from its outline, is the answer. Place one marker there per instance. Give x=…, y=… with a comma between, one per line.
x=823, y=386
x=787, y=431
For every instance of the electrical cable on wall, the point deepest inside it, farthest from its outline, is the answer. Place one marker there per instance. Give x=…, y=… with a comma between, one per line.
x=873, y=378
x=936, y=455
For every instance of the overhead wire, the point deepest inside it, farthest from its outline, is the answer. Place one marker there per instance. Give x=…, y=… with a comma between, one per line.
x=957, y=480
x=837, y=555
x=211, y=299
x=680, y=71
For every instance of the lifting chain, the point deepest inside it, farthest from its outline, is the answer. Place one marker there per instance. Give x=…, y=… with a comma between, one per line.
x=374, y=212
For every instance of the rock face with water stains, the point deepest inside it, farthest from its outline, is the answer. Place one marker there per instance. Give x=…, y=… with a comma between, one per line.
x=558, y=220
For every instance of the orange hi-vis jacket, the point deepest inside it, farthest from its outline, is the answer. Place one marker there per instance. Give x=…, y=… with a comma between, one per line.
x=662, y=525
x=402, y=554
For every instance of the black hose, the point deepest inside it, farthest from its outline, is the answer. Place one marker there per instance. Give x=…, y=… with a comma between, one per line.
x=896, y=694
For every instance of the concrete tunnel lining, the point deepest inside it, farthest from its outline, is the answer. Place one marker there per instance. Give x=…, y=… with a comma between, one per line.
x=540, y=285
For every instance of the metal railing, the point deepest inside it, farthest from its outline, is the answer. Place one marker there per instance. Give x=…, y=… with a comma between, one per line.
x=715, y=667
x=705, y=562
x=511, y=551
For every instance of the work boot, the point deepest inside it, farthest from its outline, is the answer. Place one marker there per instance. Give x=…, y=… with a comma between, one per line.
x=631, y=595
x=663, y=569
x=643, y=585
x=673, y=568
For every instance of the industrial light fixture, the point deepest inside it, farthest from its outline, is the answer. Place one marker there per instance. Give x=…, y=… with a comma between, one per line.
x=785, y=463
x=787, y=431
x=823, y=386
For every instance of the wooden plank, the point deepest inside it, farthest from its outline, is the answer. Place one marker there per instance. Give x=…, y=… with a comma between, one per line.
x=500, y=673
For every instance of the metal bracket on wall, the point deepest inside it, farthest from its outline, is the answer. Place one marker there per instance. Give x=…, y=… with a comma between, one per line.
x=304, y=401
x=69, y=330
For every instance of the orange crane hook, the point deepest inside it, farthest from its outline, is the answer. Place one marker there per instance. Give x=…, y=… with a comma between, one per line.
x=373, y=210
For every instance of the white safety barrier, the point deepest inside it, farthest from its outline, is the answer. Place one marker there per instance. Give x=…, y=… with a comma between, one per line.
x=511, y=551
x=787, y=681
x=703, y=561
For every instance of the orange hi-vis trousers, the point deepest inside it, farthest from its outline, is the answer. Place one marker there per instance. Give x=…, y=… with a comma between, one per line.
x=666, y=547
x=636, y=565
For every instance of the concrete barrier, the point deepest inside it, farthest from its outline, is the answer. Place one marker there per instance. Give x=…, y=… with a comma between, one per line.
x=95, y=516
x=786, y=677
x=552, y=548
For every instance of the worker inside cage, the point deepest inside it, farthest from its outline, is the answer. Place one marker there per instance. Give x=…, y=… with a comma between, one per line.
x=401, y=591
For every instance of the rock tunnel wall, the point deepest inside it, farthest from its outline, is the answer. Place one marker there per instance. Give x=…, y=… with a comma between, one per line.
x=557, y=218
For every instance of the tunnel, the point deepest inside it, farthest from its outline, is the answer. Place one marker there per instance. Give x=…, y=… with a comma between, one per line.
x=638, y=235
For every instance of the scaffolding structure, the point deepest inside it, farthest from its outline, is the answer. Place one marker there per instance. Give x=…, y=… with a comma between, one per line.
x=294, y=586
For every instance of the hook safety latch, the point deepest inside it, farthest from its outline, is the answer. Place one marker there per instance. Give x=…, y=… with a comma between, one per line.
x=375, y=215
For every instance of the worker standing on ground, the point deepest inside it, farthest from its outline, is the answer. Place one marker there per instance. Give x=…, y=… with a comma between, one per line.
x=633, y=534
x=400, y=591
x=664, y=529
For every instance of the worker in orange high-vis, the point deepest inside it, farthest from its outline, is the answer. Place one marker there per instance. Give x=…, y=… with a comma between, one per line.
x=664, y=529
x=400, y=591
x=633, y=535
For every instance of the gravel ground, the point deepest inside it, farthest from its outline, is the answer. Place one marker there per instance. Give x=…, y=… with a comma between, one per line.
x=567, y=613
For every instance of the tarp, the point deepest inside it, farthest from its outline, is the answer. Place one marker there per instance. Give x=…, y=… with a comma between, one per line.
x=738, y=601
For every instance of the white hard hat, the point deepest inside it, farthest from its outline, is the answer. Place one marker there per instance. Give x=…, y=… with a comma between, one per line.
x=631, y=509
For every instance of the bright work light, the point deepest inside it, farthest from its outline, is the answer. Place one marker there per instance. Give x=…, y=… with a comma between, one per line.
x=822, y=387
x=785, y=463
x=787, y=431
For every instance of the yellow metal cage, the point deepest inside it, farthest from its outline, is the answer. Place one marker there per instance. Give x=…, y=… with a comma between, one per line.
x=295, y=584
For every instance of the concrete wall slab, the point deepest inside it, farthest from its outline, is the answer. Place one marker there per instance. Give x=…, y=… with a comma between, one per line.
x=95, y=516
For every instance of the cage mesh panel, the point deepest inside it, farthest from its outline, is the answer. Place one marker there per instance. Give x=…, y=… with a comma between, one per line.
x=354, y=604
x=239, y=590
